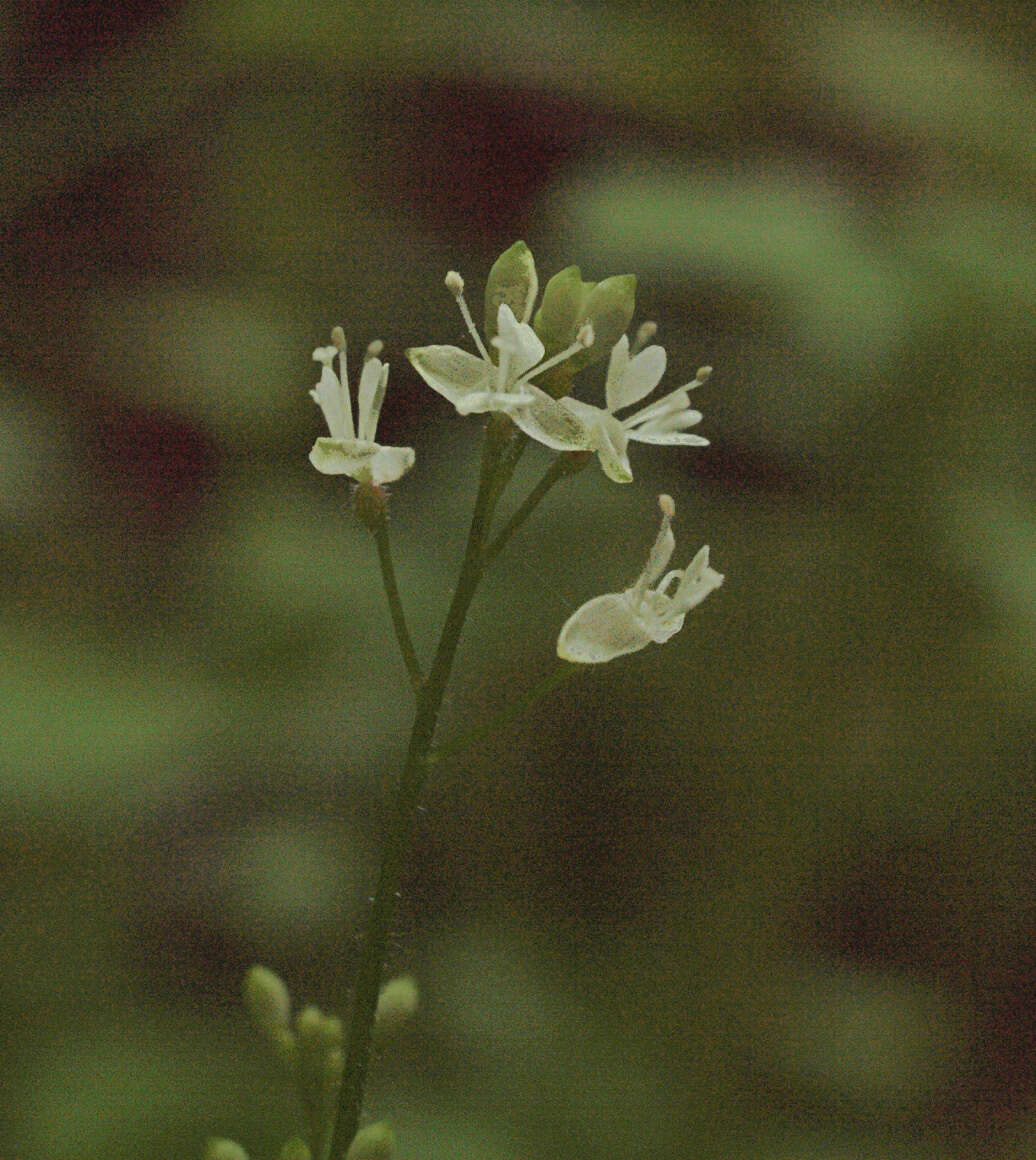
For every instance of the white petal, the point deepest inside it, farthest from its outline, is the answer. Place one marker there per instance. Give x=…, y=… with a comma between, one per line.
x=639, y=378
x=332, y=395
x=668, y=438
x=344, y=457
x=369, y=396
x=390, y=463
x=479, y=402
x=673, y=421
x=518, y=342
x=601, y=629
x=451, y=371
x=697, y=582
x=550, y=422
x=675, y=401
x=609, y=441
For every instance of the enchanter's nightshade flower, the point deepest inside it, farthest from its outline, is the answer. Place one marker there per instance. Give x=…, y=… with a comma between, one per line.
x=629, y=380
x=624, y=622
x=480, y=384
x=351, y=450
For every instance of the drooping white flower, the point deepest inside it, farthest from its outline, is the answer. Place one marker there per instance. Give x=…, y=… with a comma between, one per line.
x=351, y=449
x=624, y=622
x=480, y=384
x=629, y=379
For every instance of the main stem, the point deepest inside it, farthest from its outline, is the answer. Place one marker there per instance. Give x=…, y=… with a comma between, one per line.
x=397, y=844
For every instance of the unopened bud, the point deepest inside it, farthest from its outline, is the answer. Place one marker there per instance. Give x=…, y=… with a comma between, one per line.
x=217, y=1148
x=397, y=1001
x=295, y=1149
x=375, y=1142
x=454, y=283
x=334, y=1066
x=267, y=1001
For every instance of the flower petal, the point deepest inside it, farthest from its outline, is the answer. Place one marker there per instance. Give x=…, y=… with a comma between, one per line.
x=350, y=457
x=332, y=396
x=390, y=463
x=670, y=404
x=518, y=342
x=451, y=371
x=370, y=395
x=697, y=582
x=639, y=377
x=603, y=628
x=668, y=438
x=551, y=422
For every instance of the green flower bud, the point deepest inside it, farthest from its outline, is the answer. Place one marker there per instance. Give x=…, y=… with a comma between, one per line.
x=609, y=307
x=295, y=1149
x=563, y=310
x=397, y=1001
x=512, y=280
x=267, y=1001
x=217, y=1148
x=375, y=1142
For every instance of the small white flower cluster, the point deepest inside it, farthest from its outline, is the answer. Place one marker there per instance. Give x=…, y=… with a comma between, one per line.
x=502, y=381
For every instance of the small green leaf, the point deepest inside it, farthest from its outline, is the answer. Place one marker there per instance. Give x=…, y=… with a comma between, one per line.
x=512, y=280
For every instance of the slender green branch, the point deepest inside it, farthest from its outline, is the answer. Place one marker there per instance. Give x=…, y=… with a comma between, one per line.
x=563, y=465
x=388, y=577
x=429, y=702
x=564, y=672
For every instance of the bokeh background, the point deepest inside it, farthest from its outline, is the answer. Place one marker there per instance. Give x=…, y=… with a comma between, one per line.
x=767, y=892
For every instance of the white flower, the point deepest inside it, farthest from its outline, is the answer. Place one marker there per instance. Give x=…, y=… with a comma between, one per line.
x=623, y=622
x=480, y=384
x=351, y=450
x=629, y=380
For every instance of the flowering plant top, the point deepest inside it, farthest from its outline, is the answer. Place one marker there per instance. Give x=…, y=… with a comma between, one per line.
x=351, y=450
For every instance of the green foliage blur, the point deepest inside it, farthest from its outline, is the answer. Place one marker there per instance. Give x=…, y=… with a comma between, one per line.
x=765, y=892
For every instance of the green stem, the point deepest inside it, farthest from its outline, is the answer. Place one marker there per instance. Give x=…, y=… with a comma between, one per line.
x=563, y=465
x=388, y=577
x=565, y=671
x=397, y=845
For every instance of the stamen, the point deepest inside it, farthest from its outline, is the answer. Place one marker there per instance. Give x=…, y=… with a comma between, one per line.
x=338, y=339
x=586, y=337
x=576, y=348
x=667, y=505
x=701, y=376
x=455, y=285
x=374, y=349
x=645, y=334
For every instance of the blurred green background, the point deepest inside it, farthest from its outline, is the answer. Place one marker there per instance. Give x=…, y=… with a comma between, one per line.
x=767, y=892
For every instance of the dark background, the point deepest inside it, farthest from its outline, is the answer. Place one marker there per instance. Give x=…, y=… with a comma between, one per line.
x=766, y=892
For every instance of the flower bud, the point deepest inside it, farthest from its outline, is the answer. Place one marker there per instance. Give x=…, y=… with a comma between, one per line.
x=267, y=1001
x=295, y=1149
x=397, y=1001
x=217, y=1148
x=375, y=1142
